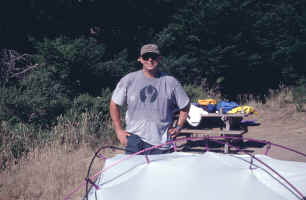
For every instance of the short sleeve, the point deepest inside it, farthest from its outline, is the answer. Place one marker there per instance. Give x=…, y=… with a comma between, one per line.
x=181, y=98
x=120, y=93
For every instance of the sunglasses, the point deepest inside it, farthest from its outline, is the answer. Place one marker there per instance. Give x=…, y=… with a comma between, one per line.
x=153, y=56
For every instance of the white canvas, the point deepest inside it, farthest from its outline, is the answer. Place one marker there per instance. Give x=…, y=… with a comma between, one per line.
x=208, y=176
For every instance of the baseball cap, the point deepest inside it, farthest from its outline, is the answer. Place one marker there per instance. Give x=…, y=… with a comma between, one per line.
x=149, y=48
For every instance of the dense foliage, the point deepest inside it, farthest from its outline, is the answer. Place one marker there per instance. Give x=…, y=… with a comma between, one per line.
x=56, y=51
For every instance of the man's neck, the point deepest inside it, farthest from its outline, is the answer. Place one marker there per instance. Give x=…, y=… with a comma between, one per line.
x=151, y=74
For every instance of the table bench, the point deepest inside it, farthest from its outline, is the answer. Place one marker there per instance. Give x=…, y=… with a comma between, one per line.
x=226, y=128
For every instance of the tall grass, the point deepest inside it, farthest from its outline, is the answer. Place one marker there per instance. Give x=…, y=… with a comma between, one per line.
x=92, y=129
x=41, y=164
x=49, y=173
x=48, y=164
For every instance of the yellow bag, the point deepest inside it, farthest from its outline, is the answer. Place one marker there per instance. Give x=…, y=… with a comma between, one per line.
x=205, y=102
x=244, y=109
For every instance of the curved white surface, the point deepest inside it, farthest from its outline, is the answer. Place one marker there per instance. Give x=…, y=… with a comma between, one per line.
x=210, y=176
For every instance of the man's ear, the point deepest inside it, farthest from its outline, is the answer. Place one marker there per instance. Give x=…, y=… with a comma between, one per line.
x=139, y=59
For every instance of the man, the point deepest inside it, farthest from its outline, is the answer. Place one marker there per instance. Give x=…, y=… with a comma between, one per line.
x=151, y=98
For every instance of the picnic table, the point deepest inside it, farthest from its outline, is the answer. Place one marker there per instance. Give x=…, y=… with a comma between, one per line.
x=229, y=126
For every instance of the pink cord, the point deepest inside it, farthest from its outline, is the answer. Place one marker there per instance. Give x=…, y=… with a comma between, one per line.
x=193, y=139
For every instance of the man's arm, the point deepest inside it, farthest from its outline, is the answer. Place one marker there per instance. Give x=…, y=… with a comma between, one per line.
x=181, y=121
x=115, y=115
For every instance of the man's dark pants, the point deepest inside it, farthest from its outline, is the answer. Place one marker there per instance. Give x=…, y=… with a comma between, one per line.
x=135, y=144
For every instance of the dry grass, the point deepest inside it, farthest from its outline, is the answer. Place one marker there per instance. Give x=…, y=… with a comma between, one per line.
x=279, y=98
x=54, y=166
x=48, y=173
x=57, y=168
x=276, y=100
x=17, y=141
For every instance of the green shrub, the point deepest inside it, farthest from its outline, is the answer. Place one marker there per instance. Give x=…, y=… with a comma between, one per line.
x=86, y=122
x=80, y=65
x=66, y=68
x=88, y=103
x=89, y=118
x=38, y=100
x=196, y=92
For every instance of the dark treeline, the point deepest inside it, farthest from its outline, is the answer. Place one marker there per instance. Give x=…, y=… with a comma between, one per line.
x=59, y=55
x=117, y=24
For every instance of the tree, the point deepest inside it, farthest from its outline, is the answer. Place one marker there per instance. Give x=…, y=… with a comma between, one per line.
x=238, y=45
x=14, y=65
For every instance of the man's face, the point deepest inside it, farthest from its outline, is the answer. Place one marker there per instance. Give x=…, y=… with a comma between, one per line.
x=149, y=61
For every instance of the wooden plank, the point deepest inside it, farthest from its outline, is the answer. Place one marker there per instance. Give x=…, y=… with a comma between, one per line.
x=208, y=115
x=223, y=115
x=212, y=132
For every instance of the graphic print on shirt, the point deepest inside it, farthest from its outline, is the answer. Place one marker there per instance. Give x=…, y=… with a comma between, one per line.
x=148, y=94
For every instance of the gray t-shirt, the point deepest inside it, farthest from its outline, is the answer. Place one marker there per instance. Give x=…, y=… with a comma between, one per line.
x=150, y=104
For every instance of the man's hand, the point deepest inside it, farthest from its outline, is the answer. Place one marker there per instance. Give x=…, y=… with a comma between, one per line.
x=181, y=120
x=122, y=137
x=174, y=132
x=115, y=115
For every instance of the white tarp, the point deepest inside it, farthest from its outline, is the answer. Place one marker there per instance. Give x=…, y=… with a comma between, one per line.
x=208, y=176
